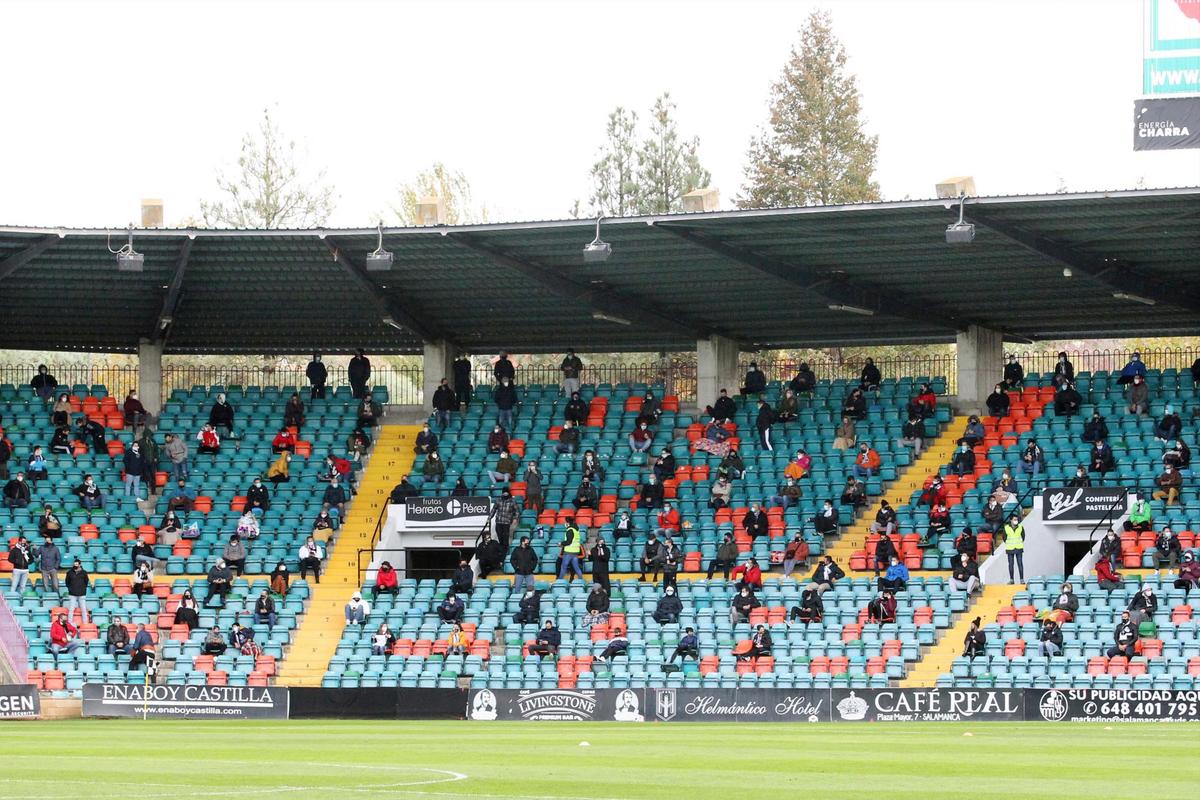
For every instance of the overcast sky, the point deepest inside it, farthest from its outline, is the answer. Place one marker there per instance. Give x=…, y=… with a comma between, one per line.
x=106, y=103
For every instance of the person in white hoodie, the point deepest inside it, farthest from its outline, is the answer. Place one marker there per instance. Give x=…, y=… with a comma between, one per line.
x=310, y=559
x=357, y=610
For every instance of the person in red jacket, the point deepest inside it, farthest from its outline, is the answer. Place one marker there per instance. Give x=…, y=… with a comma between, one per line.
x=386, y=581
x=284, y=440
x=668, y=521
x=135, y=412
x=750, y=575
x=1106, y=576
x=925, y=403
x=64, y=637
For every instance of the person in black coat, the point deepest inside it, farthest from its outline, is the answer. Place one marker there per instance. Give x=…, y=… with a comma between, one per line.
x=870, y=378
x=505, y=398
x=826, y=520
x=530, y=608
x=975, y=643
x=359, y=372
x=462, y=380
x=444, y=401
x=93, y=430
x=548, y=641
x=724, y=409
x=963, y=461
x=1014, y=374
x=463, y=579
x=855, y=405
x=756, y=522
x=402, y=491
x=600, y=556
x=220, y=416
x=1095, y=429
x=967, y=543
x=811, y=608
x=998, y=402
x=651, y=494
x=669, y=607
x=1124, y=638
x=885, y=549
x=756, y=380
x=258, y=497
x=490, y=555
x=805, y=381
x=1067, y=401
x=763, y=423
x=317, y=376
x=504, y=369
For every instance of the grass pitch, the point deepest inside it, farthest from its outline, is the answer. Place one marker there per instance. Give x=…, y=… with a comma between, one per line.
x=97, y=759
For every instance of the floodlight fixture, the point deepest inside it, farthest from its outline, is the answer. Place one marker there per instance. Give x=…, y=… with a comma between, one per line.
x=597, y=251
x=961, y=232
x=379, y=260
x=128, y=259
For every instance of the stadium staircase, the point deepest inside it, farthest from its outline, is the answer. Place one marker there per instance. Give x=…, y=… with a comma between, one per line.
x=321, y=630
x=910, y=480
x=937, y=660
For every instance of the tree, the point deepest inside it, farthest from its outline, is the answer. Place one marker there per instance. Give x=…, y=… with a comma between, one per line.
x=814, y=150
x=614, y=175
x=452, y=187
x=667, y=168
x=269, y=190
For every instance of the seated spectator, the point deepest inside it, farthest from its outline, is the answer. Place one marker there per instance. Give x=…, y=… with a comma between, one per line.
x=866, y=463
x=143, y=579
x=998, y=402
x=44, y=383
x=258, y=498
x=60, y=442
x=756, y=522
x=749, y=575
x=214, y=642
x=1168, y=548
x=457, y=641
x=369, y=412
x=652, y=558
x=36, y=468
x=1006, y=490
x=743, y=603
x=169, y=529
x=924, y=405
x=720, y=493
x=1050, y=639
x=310, y=557
x=1101, y=458
x=896, y=577
x=1189, y=574
x=788, y=496
x=1081, y=479
x=796, y=552
x=724, y=409
x=1133, y=369
x=1095, y=429
x=669, y=607
x=498, y=440
x=220, y=584
x=576, y=411
x=845, y=436
x=1139, y=397
x=963, y=461
x=939, y=525
x=805, y=381
x=885, y=519
x=528, y=607
x=1141, y=519
x=787, y=408
x=597, y=606
x=279, y=579
x=89, y=494
x=641, y=438
x=549, y=639
x=826, y=575
x=568, y=439
x=811, y=609
x=451, y=608
x=264, y=610
x=1143, y=605
x=669, y=522
x=242, y=640
x=826, y=520
x=760, y=644
x=182, y=497
x=335, y=497
x=854, y=493
x=663, y=468
x=235, y=555
x=1065, y=606
x=727, y=554
x=1033, y=459
x=1106, y=577
x=49, y=525
x=323, y=525
x=63, y=412
x=1014, y=374
x=594, y=471
x=1124, y=638
x=1179, y=457
x=462, y=581
x=973, y=434
x=967, y=543
x=116, y=639
x=651, y=494
x=855, y=405
x=1169, y=482
x=586, y=496
x=210, y=442
x=756, y=380
x=293, y=412
x=1067, y=401
x=650, y=411
x=434, y=470
x=141, y=650
x=975, y=642
x=383, y=640
x=965, y=575
x=869, y=378
x=799, y=466
x=617, y=645
x=386, y=581
x=426, y=441
x=285, y=440
x=357, y=610
x=505, y=471
x=732, y=466
x=402, y=491
x=64, y=637
x=357, y=445
x=882, y=609
x=689, y=645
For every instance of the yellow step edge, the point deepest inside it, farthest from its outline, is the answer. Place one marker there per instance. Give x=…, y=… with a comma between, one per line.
x=320, y=630
x=938, y=660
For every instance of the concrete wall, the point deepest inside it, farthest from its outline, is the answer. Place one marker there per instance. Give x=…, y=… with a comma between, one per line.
x=980, y=366
x=716, y=369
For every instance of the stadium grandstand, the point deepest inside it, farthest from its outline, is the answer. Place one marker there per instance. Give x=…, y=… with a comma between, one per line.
x=744, y=526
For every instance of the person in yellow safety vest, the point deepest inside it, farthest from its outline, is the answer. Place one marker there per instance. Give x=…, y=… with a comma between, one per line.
x=572, y=549
x=1014, y=545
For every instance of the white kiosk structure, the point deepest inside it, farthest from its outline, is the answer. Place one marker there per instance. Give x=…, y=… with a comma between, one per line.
x=431, y=523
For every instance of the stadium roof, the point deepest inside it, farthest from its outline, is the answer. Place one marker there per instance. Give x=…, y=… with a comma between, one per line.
x=765, y=278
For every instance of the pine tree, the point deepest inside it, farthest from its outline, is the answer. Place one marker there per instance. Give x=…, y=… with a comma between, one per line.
x=814, y=150
x=614, y=175
x=667, y=168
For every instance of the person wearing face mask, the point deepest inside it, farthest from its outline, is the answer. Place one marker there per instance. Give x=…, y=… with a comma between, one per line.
x=235, y=555
x=220, y=417
x=1014, y=545
x=826, y=575
x=135, y=467
x=505, y=398
x=293, y=412
x=586, y=496
x=1143, y=605
x=37, y=469
x=503, y=370
x=1081, y=479
x=866, y=463
x=1064, y=371
x=310, y=556
x=756, y=522
x=369, y=412
x=993, y=516
x=1110, y=548
x=855, y=405
x=973, y=434
x=796, y=553
x=998, y=402
x=505, y=471
x=743, y=603
x=896, y=578
x=284, y=440
x=600, y=556
x=359, y=373
x=651, y=495
x=317, y=375
x=258, y=498
x=714, y=439
x=576, y=411
x=1006, y=490
x=762, y=423
x=247, y=527
x=788, y=496
x=1179, y=457
x=1033, y=459
x=882, y=609
x=732, y=466
x=89, y=494
x=323, y=525
x=914, y=434
x=1101, y=458
x=1065, y=606
x=669, y=607
x=651, y=410
x=1133, y=369
x=727, y=554
x=975, y=642
x=529, y=608
x=1168, y=484
x=963, y=461
x=1014, y=374
x=497, y=440
x=426, y=441
x=1067, y=401
x=60, y=442
x=1095, y=430
x=641, y=439
x=568, y=439
x=63, y=412
x=524, y=561
x=1125, y=638
x=434, y=469
x=1168, y=549
x=965, y=575
x=444, y=401
x=534, y=498
x=462, y=380
x=44, y=383
x=1139, y=396
x=826, y=520
x=135, y=412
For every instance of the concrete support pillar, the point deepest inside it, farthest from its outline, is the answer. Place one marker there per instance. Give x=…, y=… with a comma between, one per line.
x=980, y=366
x=438, y=364
x=149, y=376
x=716, y=369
